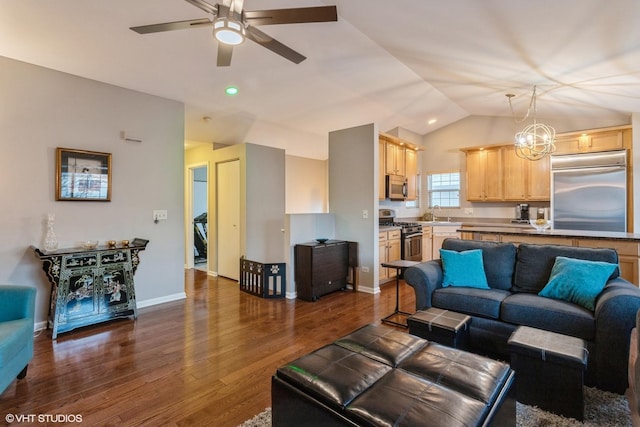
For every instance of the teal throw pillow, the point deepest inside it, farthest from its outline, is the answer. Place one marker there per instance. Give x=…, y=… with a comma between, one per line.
x=463, y=268
x=577, y=280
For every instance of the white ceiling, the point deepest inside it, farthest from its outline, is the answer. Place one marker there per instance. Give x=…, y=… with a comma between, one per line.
x=396, y=63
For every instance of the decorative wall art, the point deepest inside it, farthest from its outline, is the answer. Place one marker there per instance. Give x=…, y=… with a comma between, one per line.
x=83, y=175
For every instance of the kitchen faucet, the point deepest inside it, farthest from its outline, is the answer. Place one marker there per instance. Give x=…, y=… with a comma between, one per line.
x=433, y=212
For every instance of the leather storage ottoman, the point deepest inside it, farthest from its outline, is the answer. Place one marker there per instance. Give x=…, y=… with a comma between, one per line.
x=382, y=376
x=549, y=370
x=442, y=326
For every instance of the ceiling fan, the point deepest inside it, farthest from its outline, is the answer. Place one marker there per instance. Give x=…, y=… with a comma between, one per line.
x=232, y=25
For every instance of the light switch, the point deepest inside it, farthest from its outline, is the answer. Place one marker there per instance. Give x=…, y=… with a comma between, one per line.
x=159, y=214
x=365, y=214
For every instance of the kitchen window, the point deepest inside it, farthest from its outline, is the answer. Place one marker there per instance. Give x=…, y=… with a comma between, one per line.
x=444, y=189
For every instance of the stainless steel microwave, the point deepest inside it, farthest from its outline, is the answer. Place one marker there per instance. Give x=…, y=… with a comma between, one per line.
x=396, y=187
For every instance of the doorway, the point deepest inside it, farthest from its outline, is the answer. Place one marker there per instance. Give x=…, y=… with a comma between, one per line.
x=228, y=219
x=197, y=217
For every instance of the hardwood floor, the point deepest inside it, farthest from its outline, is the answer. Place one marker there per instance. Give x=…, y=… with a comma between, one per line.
x=206, y=360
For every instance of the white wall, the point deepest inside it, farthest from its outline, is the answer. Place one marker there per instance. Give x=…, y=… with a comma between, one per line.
x=42, y=109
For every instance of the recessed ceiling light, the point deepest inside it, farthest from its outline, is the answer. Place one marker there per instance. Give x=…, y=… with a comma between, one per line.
x=432, y=121
x=231, y=90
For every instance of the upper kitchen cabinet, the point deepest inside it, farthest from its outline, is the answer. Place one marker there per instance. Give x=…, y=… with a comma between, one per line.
x=394, y=159
x=382, y=191
x=484, y=174
x=525, y=180
x=411, y=170
x=613, y=138
x=398, y=157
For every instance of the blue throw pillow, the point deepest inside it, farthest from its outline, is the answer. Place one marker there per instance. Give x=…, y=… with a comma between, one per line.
x=463, y=269
x=577, y=280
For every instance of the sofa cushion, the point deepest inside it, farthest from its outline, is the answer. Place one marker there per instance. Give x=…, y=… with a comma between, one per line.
x=463, y=269
x=577, y=281
x=480, y=302
x=535, y=262
x=549, y=314
x=498, y=259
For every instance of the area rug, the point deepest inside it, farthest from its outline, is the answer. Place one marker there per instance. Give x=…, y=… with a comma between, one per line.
x=602, y=409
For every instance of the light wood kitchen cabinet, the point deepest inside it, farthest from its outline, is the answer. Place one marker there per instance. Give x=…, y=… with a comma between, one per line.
x=525, y=180
x=411, y=170
x=484, y=175
x=628, y=250
x=397, y=157
x=628, y=255
x=594, y=140
x=389, y=247
x=382, y=194
x=440, y=233
x=394, y=159
x=536, y=240
x=427, y=243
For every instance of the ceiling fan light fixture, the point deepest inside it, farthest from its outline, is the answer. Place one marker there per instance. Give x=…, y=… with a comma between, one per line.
x=228, y=31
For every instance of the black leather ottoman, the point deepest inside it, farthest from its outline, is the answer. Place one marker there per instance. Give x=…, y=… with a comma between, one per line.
x=442, y=326
x=378, y=376
x=549, y=370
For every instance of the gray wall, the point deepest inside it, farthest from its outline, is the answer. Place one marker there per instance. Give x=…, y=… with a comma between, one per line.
x=42, y=109
x=353, y=188
x=265, y=203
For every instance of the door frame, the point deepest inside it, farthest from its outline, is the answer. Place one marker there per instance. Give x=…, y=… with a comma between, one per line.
x=188, y=217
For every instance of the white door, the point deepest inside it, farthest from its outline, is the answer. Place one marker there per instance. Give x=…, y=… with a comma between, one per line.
x=228, y=219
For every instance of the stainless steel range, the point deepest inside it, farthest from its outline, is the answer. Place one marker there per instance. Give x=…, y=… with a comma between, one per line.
x=410, y=234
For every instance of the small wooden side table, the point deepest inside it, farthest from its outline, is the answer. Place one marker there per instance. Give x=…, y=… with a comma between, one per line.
x=400, y=266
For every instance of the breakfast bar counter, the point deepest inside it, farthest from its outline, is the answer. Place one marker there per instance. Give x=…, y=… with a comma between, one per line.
x=518, y=230
x=626, y=244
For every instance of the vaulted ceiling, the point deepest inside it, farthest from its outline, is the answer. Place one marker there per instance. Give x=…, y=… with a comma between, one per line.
x=396, y=63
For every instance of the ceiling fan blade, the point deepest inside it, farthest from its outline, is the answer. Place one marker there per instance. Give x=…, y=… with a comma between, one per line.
x=274, y=45
x=224, y=54
x=298, y=15
x=209, y=8
x=170, y=26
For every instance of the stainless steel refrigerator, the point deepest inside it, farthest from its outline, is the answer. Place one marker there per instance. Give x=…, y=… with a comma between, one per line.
x=589, y=191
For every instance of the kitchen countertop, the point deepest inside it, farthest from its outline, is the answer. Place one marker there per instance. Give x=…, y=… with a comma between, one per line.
x=530, y=231
x=440, y=223
x=389, y=227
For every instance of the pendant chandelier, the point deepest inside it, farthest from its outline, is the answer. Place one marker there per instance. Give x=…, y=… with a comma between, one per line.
x=536, y=140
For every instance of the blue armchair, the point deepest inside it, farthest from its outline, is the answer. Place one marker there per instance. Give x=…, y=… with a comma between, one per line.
x=17, y=308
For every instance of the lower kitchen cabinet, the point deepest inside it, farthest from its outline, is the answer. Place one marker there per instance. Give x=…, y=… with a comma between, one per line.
x=427, y=243
x=440, y=233
x=628, y=250
x=321, y=268
x=389, y=250
x=628, y=256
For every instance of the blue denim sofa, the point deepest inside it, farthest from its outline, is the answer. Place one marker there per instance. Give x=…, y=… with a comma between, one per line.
x=17, y=308
x=515, y=275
